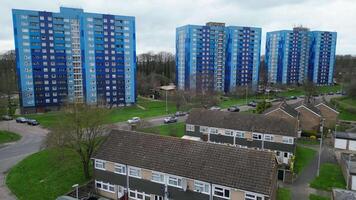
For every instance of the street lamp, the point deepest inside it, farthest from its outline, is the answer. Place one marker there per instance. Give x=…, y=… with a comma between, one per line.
x=167, y=88
x=321, y=144
x=76, y=190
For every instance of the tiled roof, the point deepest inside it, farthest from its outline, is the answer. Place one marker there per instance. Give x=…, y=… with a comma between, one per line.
x=239, y=168
x=285, y=107
x=243, y=122
x=310, y=106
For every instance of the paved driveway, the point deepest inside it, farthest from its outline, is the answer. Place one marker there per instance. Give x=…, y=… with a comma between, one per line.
x=11, y=154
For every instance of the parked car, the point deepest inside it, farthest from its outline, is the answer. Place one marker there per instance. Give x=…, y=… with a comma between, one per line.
x=293, y=97
x=338, y=92
x=302, y=96
x=180, y=114
x=6, y=118
x=21, y=120
x=233, y=109
x=134, y=120
x=215, y=108
x=330, y=93
x=32, y=122
x=252, y=104
x=171, y=119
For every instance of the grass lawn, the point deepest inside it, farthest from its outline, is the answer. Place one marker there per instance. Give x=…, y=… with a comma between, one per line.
x=307, y=141
x=302, y=158
x=317, y=197
x=330, y=177
x=144, y=108
x=326, y=89
x=346, y=103
x=175, y=129
x=6, y=136
x=45, y=175
x=284, y=194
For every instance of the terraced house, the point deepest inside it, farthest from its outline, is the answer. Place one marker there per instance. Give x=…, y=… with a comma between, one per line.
x=247, y=131
x=144, y=166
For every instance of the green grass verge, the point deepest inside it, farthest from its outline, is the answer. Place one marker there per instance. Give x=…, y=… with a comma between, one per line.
x=346, y=115
x=302, y=158
x=308, y=141
x=317, y=197
x=6, y=136
x=330, y=177
x=175, y=129
x=346, y=107
x=45, y=175
x=284, y=194
x=144, y=108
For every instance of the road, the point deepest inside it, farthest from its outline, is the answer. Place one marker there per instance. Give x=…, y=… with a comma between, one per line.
x=11, y=154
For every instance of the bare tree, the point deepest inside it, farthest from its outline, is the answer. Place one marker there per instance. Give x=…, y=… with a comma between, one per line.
x=310, y=90
x=80, y=129
x=8, y=82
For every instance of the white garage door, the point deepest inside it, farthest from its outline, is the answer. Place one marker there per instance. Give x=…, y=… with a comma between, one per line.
x=352, y=145
x=340, y=143
x=353, y=186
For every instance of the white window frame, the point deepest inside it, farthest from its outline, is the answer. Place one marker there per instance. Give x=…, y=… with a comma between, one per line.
x=229, y=132
x=135, y=168
x=120, y=169
x=204, y=129
x=136, y=194
x=240, y=134
x=221, y=189
x=175, y=179
x=159, y=177
x=108, y=185
x=189, y=127
x=268, y=137
x=97, y=164
x=253, y=196
x=203, y=185
x=214, y=131
x=287, y=140
x=257, y=134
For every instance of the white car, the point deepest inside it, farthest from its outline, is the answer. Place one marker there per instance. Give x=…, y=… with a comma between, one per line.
x=134, y=120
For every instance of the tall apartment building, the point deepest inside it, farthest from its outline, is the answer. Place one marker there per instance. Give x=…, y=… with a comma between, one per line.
x=293, y=56
x=74, y=56
x=216, y=57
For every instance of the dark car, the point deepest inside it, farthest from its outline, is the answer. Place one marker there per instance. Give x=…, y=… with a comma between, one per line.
x=293, y=97
x=252, y=104
x=330, y=93
x=6, y=118
x=180, y=114
x=171, y=119
x=21, y=120
x=33, y=122
x=233, y=109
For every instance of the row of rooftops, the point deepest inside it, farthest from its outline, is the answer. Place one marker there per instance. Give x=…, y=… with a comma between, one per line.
x=243, y=122
x=239, y=168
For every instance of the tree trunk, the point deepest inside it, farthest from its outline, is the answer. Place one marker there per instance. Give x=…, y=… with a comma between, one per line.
x=86, y=169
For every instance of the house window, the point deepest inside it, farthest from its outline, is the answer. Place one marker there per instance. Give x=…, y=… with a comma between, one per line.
x=157, y=177
x=202, y=187
x=257, y=136
x=175, y=181
x=240, y=134
x=100, y=164
x=221, y=192
x=229, y=132
x=204, y=129
x=158, y=197
x=120, y=169
x=134, y=194
x=250, y=196
x=214, y=131
x=135, y=172
x=105, y=186
x=189, y=127
x=268, y=137
x=288, y=140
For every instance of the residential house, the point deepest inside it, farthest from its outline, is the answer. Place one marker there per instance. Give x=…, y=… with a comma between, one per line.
x=153, y=167
x=328, y=113
x=283, y=110
x=310, y=117
x=247, y=131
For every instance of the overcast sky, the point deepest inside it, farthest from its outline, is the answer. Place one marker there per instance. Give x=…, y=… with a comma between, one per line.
x=156, y=20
